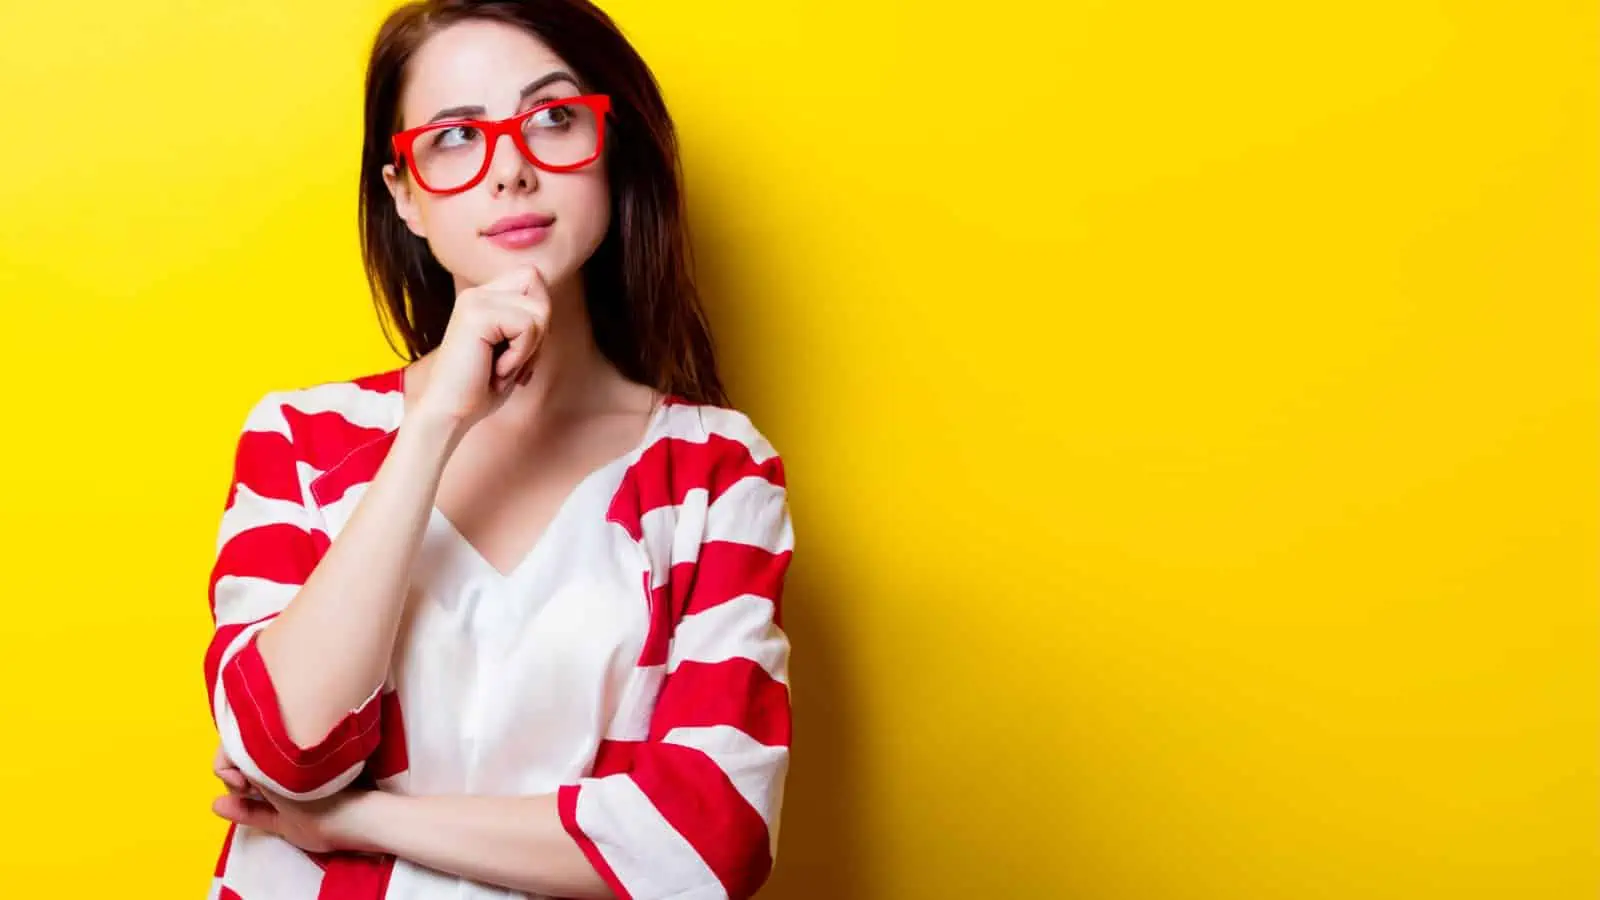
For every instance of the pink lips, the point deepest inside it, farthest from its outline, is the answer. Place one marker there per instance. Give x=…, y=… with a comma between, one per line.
x=520, y=232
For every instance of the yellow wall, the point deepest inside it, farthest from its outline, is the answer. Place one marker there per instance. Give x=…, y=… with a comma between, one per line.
x=1191, y=407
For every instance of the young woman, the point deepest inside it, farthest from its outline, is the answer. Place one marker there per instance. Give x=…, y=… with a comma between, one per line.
x=504, y=620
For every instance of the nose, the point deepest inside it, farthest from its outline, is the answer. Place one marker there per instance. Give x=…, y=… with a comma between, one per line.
x=508, y=169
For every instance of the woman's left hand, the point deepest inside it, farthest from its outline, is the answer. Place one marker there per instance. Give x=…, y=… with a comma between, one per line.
x=318, y=826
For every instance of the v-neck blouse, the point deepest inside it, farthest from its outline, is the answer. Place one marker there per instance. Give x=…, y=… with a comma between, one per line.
x=632, y=662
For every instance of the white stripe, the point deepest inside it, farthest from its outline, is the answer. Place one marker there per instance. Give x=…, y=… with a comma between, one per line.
x=752, y=511
x=649, y=857
x=357, y=405
x=251, y=510
x=233, y=742
x=245, y=598
x=264, y=866
x=338, y=513
x=756, y=770
x=737, y=426
x=632, y=719
x=741, y=628
x=697, y=423
x=308, y=473
x=672, y=534
x=216, y=887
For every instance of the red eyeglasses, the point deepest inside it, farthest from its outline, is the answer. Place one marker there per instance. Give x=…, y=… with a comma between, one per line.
x=453, y=155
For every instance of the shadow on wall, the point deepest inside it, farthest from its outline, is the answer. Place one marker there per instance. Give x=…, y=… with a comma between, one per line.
x=822, y=847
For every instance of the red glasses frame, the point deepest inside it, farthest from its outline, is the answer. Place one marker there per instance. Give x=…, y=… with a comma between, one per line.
x=599, y=104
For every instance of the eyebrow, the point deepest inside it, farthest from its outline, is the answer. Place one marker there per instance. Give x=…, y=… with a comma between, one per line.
x=532, y=87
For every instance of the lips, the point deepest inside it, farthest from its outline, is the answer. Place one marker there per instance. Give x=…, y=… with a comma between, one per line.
x=519, y=223
x=518, y=233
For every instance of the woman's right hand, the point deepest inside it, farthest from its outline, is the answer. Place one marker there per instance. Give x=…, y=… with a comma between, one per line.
x=466, y=380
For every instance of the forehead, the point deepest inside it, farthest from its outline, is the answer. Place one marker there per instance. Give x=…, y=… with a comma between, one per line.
x=474, y=63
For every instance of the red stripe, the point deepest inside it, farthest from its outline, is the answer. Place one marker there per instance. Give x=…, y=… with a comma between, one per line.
x=658, y=640
x=567, y=808
x=220, y=639
x=727, y=569
x=734, y=692
x=349, y=876
x=276, y=551
x=390, y=758
x=699, y=801
x=724, y=570
x=264, y=462
x=383, y=382
x=614, y=757
x=297, y=769
x=672, y=467
x=228, y=894
x=358, y=468
x=325, y=438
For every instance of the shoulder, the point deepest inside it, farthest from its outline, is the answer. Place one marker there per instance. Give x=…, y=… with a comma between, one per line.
x=317, y=423
x=727, y=431
x=713, y=445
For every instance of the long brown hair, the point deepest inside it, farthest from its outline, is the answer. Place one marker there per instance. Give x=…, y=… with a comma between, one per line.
x=639, y=284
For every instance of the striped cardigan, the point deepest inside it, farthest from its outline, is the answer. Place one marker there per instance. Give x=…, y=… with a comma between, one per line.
x=682, y=792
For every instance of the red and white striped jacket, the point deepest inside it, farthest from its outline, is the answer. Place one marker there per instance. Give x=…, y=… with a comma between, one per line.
x=676, y=788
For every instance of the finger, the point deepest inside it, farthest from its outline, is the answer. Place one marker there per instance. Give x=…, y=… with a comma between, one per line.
x=501, y=322
x=233, y=778
x=250, y=813
x=517, y=353
x=522, y=346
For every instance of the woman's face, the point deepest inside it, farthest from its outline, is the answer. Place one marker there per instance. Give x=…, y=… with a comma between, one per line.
x=489, y=65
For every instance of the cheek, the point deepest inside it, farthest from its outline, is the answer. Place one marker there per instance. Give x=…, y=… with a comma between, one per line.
x=452, y=228
x=586, y=208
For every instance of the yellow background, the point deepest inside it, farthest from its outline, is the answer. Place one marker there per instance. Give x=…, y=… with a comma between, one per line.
x=1191, y=410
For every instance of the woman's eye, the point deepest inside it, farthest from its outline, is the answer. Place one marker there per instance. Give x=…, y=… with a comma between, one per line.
x=454, y=136
x=552, y=117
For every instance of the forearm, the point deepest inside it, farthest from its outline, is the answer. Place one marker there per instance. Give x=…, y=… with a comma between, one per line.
x=514, y=842
x=329, y=650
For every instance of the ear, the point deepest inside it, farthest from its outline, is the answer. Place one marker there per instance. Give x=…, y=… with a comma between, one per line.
x=405, y=202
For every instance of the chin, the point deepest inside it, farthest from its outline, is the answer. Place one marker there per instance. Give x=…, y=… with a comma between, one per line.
x=501, y=262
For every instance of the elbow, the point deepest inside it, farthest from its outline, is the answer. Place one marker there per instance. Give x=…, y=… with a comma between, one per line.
x=255, y=738
x=752, y=865
x=290, y=778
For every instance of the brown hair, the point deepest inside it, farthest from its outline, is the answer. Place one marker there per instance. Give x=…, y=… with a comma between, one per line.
x=639, y=284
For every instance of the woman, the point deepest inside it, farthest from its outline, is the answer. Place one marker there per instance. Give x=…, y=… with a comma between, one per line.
x=505, y=619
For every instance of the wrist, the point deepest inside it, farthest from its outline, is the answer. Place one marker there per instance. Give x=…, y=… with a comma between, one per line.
x=358, y=826
x=432, y=432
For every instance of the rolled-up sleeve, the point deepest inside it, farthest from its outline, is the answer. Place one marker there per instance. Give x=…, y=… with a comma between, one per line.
x=695, y=813
x=267, y=546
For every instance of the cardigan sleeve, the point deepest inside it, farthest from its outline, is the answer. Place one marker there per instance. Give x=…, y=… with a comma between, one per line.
x=267, y=545
x=694, y=812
